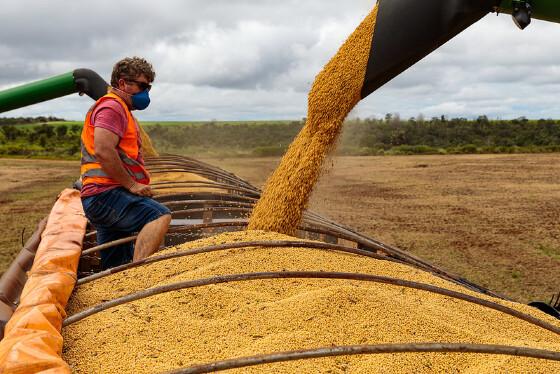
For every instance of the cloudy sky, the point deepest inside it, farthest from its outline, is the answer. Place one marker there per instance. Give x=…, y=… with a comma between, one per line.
x=249, y=59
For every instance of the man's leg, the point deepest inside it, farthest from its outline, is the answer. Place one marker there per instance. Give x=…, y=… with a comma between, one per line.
x=100, y=211
x=140, y=214
x=150, y=237
x=115, y=256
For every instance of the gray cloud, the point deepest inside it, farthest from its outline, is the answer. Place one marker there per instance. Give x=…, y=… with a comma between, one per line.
x=245, y=59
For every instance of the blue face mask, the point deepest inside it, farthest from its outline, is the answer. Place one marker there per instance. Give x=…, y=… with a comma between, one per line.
x=141, y=100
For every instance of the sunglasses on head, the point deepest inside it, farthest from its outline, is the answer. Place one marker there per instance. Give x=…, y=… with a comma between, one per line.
x=142, y=85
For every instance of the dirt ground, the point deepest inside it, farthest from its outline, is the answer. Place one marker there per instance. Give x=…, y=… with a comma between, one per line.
x=489, y=218
x=28, y=189
x=492, y=219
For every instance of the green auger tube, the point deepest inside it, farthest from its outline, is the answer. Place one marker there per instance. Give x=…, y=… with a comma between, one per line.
x=84, y=81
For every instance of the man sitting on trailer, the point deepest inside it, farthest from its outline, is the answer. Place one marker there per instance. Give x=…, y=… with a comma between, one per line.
x=116, y=193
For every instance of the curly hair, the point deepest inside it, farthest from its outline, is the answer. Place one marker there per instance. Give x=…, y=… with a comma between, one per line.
x=132, y=68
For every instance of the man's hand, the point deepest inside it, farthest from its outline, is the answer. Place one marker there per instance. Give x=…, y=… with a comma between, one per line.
x=141, y=189
x=106, y=143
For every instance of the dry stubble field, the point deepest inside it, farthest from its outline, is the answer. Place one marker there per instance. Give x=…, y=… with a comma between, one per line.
x=492, y=219
x=28, y=189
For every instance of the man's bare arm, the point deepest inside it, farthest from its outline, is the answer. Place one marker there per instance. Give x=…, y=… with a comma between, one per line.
x=105, y=143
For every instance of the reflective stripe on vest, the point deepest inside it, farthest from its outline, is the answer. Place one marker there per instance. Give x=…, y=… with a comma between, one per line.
x=101, y=173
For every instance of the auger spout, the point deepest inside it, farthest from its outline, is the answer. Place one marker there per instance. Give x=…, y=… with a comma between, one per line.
x=84, y=81
x=408, y=30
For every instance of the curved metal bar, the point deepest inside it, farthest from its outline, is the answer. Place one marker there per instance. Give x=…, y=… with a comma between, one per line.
x=327, y=231
x=222, y=203
x=208, y=185
x=213, y=209
x=320, y=229
x=187, y=164
x=196, y=167
x=397, y=253
x=351, y=350
x=318, y=217
x=107, y=245
x=400, y=255
x=173, y=230
x=185, y=229
x=241, y=224
x=404, y=257
x=410, y=258
x=162, y=164
x=200, y=184
x=183, y=162
x=207, y=182
x=232, y=206
x=187, y=161
x=308, y=221
x=179, y=195
x=202, y=172
x=309, y=275
x=235, y=245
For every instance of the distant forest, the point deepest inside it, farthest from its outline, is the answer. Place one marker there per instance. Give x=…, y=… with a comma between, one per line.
x=24, y=120
x=53, y=138
x=390, y=135
x=456, y=135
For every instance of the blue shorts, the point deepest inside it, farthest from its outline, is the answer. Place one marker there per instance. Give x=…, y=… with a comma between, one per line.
x=117, y=214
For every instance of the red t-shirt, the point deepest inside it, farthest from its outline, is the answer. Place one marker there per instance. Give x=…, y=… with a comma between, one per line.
x=110, y=115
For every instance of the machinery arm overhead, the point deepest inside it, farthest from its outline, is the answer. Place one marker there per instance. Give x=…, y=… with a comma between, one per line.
x=84, y=81
x=406, y=31
x=547, y=10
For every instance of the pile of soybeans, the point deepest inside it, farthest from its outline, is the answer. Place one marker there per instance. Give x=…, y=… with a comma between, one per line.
x=200, y=325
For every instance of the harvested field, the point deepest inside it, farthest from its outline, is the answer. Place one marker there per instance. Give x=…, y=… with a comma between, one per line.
x=490, y=218
x=28, y=191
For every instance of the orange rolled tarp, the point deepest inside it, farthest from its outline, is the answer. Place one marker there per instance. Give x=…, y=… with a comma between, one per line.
x=32, y=341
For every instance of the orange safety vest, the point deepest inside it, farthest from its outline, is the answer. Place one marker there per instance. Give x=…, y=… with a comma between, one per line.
x=128, y=149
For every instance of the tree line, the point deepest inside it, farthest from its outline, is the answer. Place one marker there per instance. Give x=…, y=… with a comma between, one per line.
x=390, y=135
x=26, y=120
x=456, y=135
x=44, y=140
